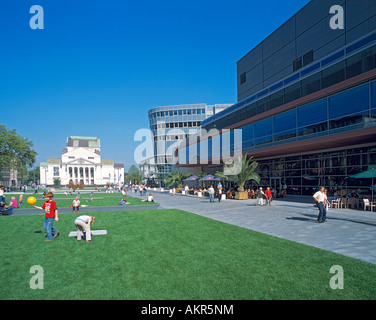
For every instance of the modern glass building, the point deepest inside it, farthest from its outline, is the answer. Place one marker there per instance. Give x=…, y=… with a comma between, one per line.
x=170, y=126
x=307, y=101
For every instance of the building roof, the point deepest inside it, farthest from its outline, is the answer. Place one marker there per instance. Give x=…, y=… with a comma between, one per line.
x=53, y=161
x=107, y=162
x=84, y=142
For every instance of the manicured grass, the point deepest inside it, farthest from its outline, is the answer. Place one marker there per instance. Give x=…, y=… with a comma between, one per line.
x=63, y=201
x=170, y=254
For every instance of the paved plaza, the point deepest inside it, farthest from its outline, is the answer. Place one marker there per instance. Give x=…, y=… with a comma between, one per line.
x=348, y=232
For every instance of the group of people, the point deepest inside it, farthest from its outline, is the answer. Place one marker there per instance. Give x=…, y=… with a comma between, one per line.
x=50, y=209
x=7, y=210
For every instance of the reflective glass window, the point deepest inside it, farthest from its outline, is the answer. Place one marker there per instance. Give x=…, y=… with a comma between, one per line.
x=247, y=134
x=349, y=102
x=312, y=117
x=263, y=131
x=285, y=125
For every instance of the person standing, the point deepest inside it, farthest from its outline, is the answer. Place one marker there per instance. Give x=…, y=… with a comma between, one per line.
x=319, y=197
x=219, y=194
x=326, y=205
x=83, y=225
x=51, y=215
x=268, y=195
x=211, y=193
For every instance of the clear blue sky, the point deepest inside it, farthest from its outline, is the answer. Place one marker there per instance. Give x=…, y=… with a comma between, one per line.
x=99, y=66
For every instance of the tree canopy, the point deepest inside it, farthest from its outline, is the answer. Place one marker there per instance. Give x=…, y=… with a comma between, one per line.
x=243, y=170
x=16, y=152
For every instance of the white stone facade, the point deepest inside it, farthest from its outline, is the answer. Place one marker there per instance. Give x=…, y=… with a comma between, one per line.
x=81, y=161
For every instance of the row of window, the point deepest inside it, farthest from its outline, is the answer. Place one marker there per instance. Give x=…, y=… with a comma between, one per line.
x=351, y=109
x=176, y=113
x=171, y=125
x=346, y=69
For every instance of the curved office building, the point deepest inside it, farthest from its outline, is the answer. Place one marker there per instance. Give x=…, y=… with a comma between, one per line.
x=170, y=126
x=307, y=101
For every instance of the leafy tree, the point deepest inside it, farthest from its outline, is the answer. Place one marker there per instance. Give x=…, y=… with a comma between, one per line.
x=176, y=177
x=16, y=152
x=202, y=174
x=134, y=175
x=33, y=175
x=243, y=169
x=57, y=182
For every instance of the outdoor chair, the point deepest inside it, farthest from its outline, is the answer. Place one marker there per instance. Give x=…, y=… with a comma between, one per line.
x=368, y=204
x=343, y=203
x=335, y=203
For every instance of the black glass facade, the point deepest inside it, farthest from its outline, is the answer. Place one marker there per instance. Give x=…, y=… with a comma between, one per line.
x=303, y=174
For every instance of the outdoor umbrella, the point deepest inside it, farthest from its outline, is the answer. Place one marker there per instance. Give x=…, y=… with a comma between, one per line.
x=192, y=178
x=369, y=174
x=207, y=178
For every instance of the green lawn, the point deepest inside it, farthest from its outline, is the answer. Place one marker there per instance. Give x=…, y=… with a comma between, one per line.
x=170, y=254
x=100, y=200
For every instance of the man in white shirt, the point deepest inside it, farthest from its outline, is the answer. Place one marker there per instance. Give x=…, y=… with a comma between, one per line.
x=211, y=193
x=319, y=197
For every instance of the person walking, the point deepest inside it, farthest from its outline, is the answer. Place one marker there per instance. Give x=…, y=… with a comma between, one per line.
x=326, y=205
x=51, y=215
x=260, y=197
x=211, y=193
x=268, y=195
x=219, y=194
x=319, y=197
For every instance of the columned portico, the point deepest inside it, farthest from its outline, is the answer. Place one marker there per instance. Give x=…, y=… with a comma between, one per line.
x=81, y=161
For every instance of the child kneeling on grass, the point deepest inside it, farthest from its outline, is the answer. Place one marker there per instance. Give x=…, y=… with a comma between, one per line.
x=83, y=224
x=51, y=215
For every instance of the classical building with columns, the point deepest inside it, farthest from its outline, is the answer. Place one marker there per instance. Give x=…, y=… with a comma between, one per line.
x=81, y=161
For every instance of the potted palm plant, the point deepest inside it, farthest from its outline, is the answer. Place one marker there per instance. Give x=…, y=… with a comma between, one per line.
x=176, y=177
x=240, y=172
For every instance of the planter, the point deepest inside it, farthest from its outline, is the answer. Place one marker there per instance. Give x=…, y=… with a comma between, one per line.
x=241, y=195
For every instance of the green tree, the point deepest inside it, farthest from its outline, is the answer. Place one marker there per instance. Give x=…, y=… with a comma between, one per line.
x=176, y=177
x=243, y=169
x=16, y=152
x=33, y=175
x=134, y=175
x=57, y=182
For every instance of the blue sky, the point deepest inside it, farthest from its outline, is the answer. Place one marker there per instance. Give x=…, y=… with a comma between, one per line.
x=99, y=66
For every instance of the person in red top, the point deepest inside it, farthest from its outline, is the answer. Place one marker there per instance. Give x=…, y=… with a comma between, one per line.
x=51, y=215
x=268, y=195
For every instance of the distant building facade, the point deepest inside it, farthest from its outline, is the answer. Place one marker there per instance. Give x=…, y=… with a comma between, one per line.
x=81, y=161
x=170, y=126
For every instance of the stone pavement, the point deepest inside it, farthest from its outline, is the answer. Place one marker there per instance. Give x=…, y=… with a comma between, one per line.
x=348, y=232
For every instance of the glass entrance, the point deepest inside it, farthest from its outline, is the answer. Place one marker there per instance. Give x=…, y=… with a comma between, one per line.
x=276, y=186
